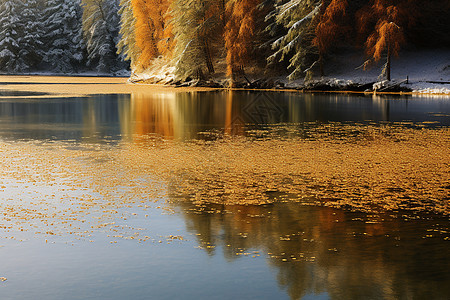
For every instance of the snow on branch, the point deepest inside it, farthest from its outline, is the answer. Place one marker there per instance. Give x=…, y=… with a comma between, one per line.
x=308, y=17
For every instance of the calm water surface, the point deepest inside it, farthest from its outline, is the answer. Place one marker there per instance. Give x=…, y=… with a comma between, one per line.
x=127, y=244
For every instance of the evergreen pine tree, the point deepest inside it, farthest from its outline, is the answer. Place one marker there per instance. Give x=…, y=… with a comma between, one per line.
x=10, y=37
x=101, y=34
x=63, y=37
x=31, y=31
x=126, y=46
x=297, y=16
x=194, y=22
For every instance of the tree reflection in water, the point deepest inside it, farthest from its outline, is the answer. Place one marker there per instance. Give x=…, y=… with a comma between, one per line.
x=348, y=255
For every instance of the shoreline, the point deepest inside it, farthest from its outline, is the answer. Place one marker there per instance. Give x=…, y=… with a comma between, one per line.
x=71, y=86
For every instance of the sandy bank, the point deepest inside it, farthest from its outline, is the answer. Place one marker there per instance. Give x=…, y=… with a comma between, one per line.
x=82, y=86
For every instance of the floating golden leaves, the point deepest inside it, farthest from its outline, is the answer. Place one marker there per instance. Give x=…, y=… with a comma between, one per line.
x=364, y=167
x=61, y=188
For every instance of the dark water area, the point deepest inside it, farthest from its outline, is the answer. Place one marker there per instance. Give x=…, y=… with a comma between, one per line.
x=124, y=243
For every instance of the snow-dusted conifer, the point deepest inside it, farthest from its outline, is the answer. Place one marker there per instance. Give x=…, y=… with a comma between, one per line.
x=63, y=37
x=194, y=22
x=101, y=33
x=13, y=33
x=31, y=33
x=9, y=44
x=126, y=46
x=296, y=45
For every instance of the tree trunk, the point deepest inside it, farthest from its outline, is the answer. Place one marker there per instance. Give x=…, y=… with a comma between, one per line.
x=242, y=70
x=199, y=74
x=223, y=12
x=388, y=66
x=208, y=57
x=388, y=62
x=151, y=27
x=154, y=46
x=322, y=73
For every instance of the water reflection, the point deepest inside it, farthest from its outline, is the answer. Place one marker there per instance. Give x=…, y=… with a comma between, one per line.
x=346, y=255
x=91, y=119
x=184, y=115
x=311, y=250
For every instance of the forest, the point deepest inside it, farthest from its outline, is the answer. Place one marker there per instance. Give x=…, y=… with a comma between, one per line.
x=204, y=38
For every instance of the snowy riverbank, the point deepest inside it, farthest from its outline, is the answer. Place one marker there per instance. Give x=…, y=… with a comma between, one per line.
x=426, y=71
x=423, y=72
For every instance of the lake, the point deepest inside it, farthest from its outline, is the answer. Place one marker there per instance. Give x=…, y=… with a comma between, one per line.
x=224, y=194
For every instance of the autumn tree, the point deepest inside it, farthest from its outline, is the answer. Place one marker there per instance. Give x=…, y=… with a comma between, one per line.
x=152, y=30
x=386, y=34
x=239, y=33
x=331, y=28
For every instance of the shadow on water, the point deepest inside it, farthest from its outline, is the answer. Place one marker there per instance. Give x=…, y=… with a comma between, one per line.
x=346, y=255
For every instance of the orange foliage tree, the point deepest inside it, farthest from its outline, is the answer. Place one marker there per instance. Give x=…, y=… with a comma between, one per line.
x=331, y=28
x=153, y=31
x=239, y=33
x=387, y=36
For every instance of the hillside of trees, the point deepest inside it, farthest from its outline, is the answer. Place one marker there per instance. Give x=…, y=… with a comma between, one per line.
x=60, y=36
x=209, y=38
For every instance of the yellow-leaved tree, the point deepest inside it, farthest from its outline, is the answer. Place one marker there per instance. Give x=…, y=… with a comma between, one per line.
x=239, y=34
x=152, y=30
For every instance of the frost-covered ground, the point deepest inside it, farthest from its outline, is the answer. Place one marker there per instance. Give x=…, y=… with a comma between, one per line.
x=422, y=68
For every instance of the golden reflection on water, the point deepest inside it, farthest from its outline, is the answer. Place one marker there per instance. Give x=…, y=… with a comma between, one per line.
x=154, y=115
x=170, y=115
x=184, y=116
